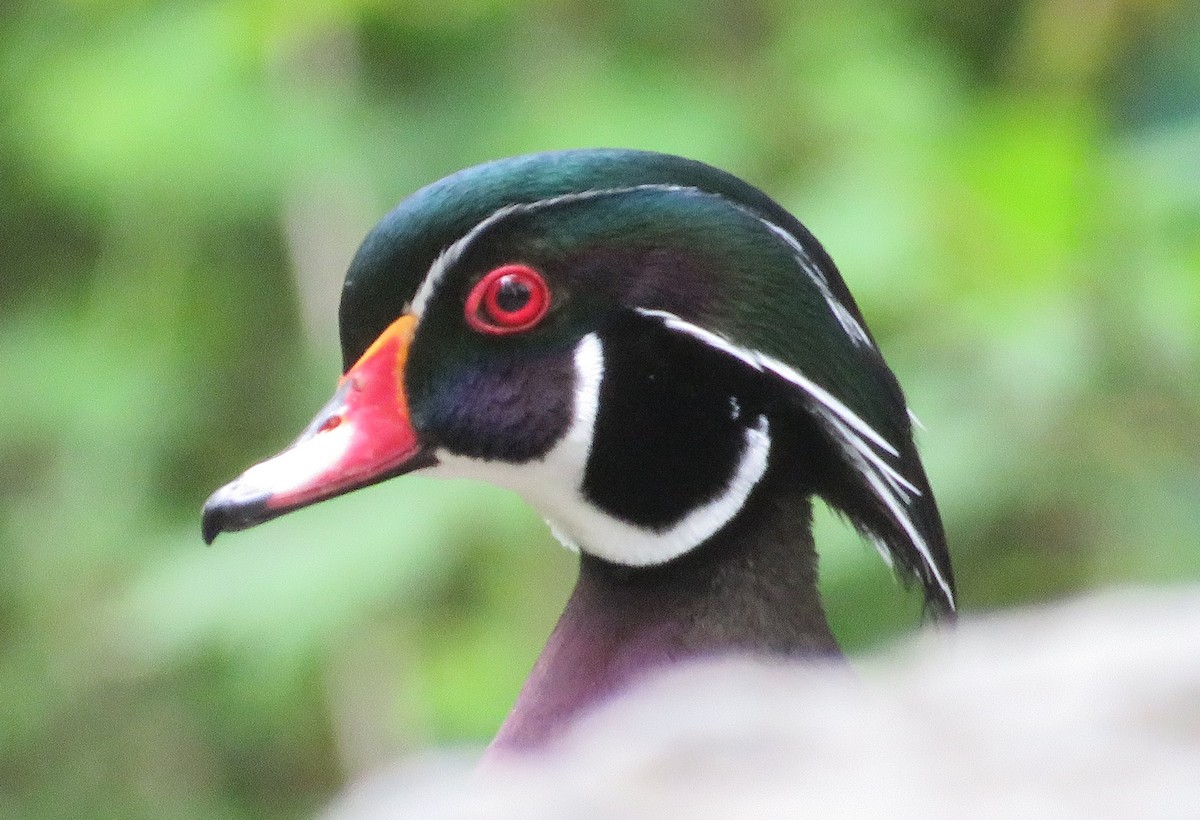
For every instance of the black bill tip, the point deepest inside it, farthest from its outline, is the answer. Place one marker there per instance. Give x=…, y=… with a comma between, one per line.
x=225, y=514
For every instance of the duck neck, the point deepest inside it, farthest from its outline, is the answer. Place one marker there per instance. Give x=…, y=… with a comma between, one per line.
x=752, y=588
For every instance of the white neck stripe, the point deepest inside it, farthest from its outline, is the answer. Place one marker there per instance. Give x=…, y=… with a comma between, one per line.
x=848, y=429
x=553, y=484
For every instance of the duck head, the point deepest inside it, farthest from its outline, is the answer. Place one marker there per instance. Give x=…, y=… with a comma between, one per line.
x=636, y=343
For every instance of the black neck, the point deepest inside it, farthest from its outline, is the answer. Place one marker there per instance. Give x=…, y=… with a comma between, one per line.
x=752, y=588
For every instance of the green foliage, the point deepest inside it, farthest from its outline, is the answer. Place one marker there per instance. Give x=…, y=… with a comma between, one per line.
x=1011, y=191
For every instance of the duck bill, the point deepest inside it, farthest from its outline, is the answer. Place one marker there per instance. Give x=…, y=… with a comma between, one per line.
x=361, y=437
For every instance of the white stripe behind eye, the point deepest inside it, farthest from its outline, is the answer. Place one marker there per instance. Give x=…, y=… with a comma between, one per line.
x=760, y=361
x=849, y=430
x=899, y=483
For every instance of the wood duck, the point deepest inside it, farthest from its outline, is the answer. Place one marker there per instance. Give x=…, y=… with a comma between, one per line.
x=665, y=364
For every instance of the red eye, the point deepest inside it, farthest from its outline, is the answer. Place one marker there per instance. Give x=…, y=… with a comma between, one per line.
x=509, y=299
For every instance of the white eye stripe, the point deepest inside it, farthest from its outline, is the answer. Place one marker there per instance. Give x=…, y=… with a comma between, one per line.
x=451, y=254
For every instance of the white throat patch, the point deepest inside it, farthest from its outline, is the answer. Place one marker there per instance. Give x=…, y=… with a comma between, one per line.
x=552, y=484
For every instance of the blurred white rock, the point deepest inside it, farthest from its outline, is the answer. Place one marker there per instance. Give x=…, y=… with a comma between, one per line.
x=1087, y=709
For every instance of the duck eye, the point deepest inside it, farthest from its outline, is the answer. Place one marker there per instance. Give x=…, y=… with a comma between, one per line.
x=509, y=299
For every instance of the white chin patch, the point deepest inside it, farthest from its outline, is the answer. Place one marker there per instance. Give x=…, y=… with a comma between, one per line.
x=551, y=485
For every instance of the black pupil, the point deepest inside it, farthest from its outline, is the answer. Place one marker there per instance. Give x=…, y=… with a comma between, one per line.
x=512, y=294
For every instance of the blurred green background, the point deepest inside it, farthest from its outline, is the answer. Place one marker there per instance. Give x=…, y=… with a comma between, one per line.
x=1012, y=190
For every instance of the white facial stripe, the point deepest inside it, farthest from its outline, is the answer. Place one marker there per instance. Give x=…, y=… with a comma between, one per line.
x=849, y=430
x=552, y=484
x=703, y=522
x=581, y=525
x=451, y=254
